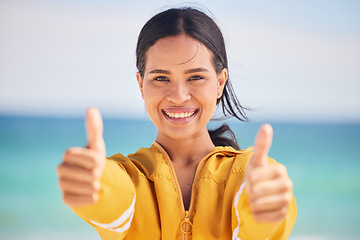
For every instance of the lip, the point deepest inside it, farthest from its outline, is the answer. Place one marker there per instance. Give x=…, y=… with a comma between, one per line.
x=180, y=115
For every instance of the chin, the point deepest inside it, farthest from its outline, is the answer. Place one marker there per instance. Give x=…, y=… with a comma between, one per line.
x=182, y=134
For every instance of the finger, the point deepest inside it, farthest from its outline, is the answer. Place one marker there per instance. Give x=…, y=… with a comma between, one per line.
x=269, y=172
x=94, y=129
x=76, y=200
x=80, y=188
x=82, y=157
x=272, y=216
x=76, y=173
x=271, y=202
x=262, y=146
x=265, y=188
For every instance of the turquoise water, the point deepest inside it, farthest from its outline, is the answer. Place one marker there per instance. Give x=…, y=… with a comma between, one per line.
x=323, y=160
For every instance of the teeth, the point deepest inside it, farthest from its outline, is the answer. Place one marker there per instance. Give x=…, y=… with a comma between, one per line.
x=179, y=115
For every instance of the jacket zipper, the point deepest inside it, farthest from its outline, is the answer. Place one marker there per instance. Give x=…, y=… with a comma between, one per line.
x=186, y=213
x=186, y=226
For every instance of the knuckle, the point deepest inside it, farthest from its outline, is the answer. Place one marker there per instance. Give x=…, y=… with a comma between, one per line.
x=282, y=170
x=67, y=199
x=97, y=172
x=93, y=176
x=278, y=169
x=288, y=184
x=288, y=198
x=60, y=169
x=282, y=213
x=97, y=186
x=93, y=198
x=94, y=186
x=291, y=184
x=61, y=184
x=68, y=152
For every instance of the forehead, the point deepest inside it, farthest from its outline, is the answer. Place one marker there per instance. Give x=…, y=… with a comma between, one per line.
x=181, y=50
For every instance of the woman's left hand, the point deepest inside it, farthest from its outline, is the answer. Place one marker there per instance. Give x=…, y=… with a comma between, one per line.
x=268, y=185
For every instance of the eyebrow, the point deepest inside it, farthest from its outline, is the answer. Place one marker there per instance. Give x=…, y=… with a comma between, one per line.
x=159, y=71
x=192, y=70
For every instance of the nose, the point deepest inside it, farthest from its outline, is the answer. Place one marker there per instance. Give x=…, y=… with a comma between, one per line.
x=178, y=94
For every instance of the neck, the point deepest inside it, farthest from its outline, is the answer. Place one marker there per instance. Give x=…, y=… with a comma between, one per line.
x=185, y=152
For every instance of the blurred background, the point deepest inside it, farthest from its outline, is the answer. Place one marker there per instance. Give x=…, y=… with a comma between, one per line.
x=296, y=64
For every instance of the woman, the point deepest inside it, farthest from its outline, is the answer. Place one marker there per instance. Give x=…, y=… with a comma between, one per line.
x=191, y=183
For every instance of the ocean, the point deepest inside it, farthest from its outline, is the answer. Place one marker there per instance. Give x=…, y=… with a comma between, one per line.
x=323, y=161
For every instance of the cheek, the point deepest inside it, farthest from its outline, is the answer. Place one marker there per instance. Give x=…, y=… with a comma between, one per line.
x=152, y=98
x=207, y=95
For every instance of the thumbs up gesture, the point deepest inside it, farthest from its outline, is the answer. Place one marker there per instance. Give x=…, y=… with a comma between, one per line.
x=268, y=185
x=81, y=169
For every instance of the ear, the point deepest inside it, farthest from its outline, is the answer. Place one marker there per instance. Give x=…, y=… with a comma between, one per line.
x=222, y=78
x=140, y=81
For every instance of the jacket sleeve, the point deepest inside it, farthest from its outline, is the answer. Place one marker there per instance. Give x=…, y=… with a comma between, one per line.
x=245, y=227
x=112, y=214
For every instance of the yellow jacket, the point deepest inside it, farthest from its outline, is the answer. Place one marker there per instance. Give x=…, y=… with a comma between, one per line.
x=141, y=199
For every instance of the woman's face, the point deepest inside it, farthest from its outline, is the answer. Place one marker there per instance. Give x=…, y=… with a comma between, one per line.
x=180, y=86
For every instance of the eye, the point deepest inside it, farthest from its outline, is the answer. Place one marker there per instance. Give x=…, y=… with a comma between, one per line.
x=196, y=77
x=161, y=79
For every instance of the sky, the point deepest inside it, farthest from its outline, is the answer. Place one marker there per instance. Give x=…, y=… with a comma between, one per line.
x=288, y=60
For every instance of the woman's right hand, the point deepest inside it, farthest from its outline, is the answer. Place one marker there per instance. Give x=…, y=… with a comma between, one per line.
x=82, y=168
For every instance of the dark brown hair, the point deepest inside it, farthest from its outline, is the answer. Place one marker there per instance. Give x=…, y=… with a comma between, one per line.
x=201, y=27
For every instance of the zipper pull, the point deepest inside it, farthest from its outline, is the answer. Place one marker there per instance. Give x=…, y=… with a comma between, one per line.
x=186, y=225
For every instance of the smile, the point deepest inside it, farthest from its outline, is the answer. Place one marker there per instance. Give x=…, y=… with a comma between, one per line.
x=179, y=115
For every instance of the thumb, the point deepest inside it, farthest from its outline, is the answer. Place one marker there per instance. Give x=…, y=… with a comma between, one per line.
x=94, y=129
x=262, y=146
